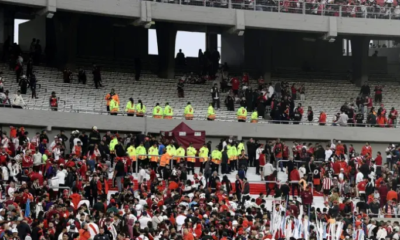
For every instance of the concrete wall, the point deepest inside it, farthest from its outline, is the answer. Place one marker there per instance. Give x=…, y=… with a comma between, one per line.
x=225, y=17
x=101, y=36
x=45, y=119
x=35, y=28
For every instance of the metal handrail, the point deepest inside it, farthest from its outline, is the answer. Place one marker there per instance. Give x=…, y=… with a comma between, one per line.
x=282, y=6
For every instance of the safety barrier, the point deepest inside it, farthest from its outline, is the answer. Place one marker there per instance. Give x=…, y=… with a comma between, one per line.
x=295, y=7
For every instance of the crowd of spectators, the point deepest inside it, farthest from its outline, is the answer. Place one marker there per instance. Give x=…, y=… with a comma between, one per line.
x=55, y=190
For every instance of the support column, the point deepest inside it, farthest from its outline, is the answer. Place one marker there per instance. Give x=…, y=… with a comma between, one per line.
x=211, y=41
x=258, y=52
x=166, y=36
x=359, y=48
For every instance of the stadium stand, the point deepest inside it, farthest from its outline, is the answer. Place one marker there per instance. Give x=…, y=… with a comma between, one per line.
x=324, y=91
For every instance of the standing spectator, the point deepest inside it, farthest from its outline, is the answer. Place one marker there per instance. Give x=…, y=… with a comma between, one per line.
x=235, y=86
x=29, y=68
x=215, y=94
x=82, y=76
x=180, y=58
x=322, y=118
x=32, y=85
x=294, y=91
x=302, y=91
x=19, y=69
x=310, y=114
x=252, y=152
x=181, y=85
x=96, y=76
x=53, y=101
x=365, y=90
x=378, y=94
x=23, y=84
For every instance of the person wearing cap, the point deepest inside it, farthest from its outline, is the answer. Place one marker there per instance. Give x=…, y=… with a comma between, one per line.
x=168, y=111
x=158, y=111
x=189, y=111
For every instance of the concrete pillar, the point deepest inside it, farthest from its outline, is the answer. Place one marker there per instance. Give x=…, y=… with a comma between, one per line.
x=211, y=41
x=232, y=50
x=166, y=36
x=359, y=47
x=258, y=53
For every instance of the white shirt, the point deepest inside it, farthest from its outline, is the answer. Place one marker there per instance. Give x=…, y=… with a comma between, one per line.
x=388, y=155
x=270, y=91
x=4, y=171
x=268, y=169
x=302, y=171
x=328, y=154
x=76, y=140
x=18, y=100
x=143, y=220
x=4, y=142
x=343, y=119
x=258, y=152
x=57, y=153
x=93, y=229
x=61, y=177
x=180, y=220
x=382, y=233
x=359, y=177
x=37, y=159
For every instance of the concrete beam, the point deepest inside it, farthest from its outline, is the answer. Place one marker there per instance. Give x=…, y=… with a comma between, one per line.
x=34, y=118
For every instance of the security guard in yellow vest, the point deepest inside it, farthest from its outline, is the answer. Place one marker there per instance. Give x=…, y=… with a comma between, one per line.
x=158, y=111
x=203, y=154
x=191, y=157
x=141, y=155
x=210, y=113
x=241, y=114
x=171, y=150
x=240, y=147
x=113, y=143
x=114, y=106
x=168, y=111
x=130, y=107
x=131, y=151
x=232, y=155
x=140, y=109
x=189, y=112
x=153, y=152
x=254, y=117
x=179, y=155
x=216, y=157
